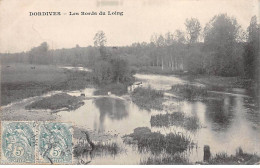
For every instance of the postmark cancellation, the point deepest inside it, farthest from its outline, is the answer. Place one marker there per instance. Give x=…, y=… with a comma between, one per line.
x=54, y=143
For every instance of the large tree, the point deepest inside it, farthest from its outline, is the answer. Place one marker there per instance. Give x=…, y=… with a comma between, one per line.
x=179, y=36
x=169, y=41
x=100, y=41
x=220, y=39
x=160, y=43
x=251, y=54
x=193, y=29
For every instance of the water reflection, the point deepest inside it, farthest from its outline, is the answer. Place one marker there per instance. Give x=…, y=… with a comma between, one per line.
x=220, y=113
x=229, y=120
x=251, y=114
x=115, y=109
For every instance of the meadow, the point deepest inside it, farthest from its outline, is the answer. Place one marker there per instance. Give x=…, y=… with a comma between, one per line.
x=20, y=81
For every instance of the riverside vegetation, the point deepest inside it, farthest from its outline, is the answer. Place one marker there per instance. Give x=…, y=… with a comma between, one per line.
x=175, y=52
x=57, y=102
x=191, y=123
x=190, y=92
x=19, y=81
x=240, y=158
x=148, y=98
x=156, y=142
x=37, y=72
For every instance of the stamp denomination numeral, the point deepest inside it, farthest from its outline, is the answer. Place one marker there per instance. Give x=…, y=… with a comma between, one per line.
x=18, y=143
x=55, y=143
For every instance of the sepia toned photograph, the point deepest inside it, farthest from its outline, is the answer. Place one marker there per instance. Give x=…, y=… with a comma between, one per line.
x=124, y=82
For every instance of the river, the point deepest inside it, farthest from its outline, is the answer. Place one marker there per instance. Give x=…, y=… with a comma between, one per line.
x=228, y=121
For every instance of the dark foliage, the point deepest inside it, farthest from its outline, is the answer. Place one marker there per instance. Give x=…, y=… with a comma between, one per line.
x=177, y=119
x=157, y=142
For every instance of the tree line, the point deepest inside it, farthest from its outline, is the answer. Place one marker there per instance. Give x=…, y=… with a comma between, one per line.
x=220, y=48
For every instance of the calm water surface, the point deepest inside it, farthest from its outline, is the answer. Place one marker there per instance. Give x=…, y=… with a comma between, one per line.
x=228, y=120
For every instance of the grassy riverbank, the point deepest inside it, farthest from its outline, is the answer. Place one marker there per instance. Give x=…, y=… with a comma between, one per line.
x=209, y=80
x=227, y=82
x=57, y=102
x=240, y=158
x=218, y=159
x=21, y=81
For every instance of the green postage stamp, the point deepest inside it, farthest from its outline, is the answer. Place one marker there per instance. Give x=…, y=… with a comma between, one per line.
x=18, y=142
x=54, y=143
x=36, y=142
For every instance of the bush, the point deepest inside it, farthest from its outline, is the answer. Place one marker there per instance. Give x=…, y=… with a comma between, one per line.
x=102, y=72
x=112, y=70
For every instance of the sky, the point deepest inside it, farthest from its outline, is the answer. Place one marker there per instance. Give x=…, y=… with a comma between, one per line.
x=20, y=32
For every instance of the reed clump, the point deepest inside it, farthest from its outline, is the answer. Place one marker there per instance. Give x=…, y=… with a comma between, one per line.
x=190, y=123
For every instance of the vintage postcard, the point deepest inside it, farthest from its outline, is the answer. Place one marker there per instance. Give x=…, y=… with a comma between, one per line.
x=124, y=82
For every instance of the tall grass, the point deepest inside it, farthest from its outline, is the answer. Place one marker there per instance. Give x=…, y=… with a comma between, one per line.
x=86, y=147
x=157, y=142
x=190, y=92
x=148, y=98
x=240, y=158
x=190, y=123
x=100, y=149
x=176, y=159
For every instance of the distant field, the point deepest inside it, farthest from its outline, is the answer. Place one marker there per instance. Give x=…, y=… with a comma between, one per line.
x=19, y=81
x=31, y=73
